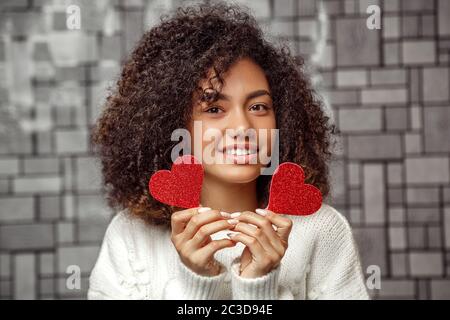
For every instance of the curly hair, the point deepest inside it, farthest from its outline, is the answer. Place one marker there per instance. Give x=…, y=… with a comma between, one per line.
x=157, y=86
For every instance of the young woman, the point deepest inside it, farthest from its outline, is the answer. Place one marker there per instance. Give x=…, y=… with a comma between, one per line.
x=210, y=64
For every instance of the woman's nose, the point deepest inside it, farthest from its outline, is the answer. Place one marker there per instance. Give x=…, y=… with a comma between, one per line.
x=239, y=122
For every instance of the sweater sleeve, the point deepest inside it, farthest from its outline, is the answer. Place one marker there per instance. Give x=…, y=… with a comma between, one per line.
x=116, y=274
x=189, y=285
x=335, y=270
x=113, y=276
x=266, y=287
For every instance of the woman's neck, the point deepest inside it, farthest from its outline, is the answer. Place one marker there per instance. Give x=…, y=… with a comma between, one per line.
x=229, y=197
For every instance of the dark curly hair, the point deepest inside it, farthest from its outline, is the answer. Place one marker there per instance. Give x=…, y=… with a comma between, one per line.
x=157, y=87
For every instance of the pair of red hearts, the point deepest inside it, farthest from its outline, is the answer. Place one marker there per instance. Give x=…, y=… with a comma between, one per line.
x=181, y=186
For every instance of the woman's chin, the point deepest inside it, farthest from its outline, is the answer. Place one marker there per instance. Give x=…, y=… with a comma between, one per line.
x=235, y=173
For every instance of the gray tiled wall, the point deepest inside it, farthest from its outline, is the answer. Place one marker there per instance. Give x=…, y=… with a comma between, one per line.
x=388, y=91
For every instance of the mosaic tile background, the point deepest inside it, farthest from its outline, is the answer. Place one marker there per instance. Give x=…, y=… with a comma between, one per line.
x=388, y=91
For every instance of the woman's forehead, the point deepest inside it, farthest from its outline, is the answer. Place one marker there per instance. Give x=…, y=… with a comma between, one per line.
x=241, y=78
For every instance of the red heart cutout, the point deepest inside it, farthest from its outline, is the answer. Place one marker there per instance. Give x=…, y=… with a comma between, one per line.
x=181, y=186
x=290, y=195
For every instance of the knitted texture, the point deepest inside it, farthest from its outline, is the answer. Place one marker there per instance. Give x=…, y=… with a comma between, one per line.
x=138, y=261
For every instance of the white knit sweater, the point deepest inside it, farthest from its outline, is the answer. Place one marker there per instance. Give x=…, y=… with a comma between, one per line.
x=139, y=261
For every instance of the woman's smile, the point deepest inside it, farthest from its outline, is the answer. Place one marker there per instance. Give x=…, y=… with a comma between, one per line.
x=240, y=153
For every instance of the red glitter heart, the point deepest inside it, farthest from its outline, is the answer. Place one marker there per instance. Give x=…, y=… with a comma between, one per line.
x=290, y=195
x=181, y=186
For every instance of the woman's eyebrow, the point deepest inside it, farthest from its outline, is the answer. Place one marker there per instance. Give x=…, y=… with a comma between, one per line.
x=249, y=96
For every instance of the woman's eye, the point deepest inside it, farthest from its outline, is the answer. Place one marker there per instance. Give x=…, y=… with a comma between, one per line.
x=213, y=110
x=259, y=107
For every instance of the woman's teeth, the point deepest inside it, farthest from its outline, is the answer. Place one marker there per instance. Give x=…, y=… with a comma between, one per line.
x=238, y=152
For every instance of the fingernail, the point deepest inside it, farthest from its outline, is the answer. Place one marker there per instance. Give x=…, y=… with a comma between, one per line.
x=274, y=227
x=225, y=214
x=235, y=214
x=203, y=209
x=233, y=221
x=230, y=234
x=261, y=212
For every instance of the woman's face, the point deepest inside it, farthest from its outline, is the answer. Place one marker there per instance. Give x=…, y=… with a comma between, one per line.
x=244, y=103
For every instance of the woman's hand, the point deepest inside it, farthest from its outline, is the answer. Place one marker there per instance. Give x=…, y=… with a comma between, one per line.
x=191, y=236
x=265, y=247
